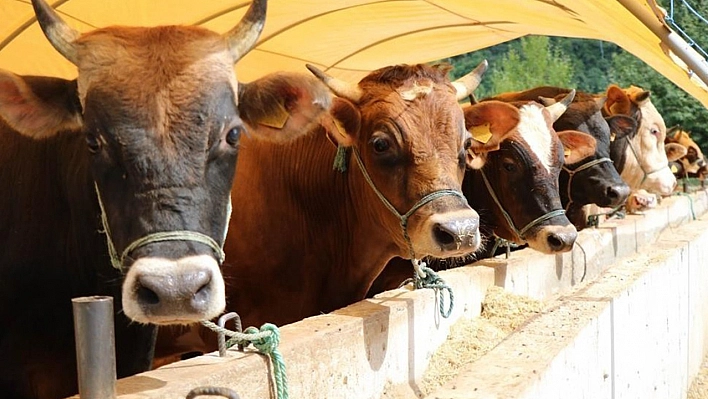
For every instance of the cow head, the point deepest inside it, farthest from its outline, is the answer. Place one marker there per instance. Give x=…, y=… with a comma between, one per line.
x=594, y=179
x=640, y=157
x=159, y=111
x=405, y=132
x=692, y=162
x=522, y=177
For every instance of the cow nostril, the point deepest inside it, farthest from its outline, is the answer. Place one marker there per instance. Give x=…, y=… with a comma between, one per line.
x=554, y=242
x=612, y=193
x=147, y=296
x=442, y=235
x=204, y=292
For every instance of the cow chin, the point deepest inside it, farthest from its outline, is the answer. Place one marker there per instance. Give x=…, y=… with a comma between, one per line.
x=448, y=234
x=553, y=239
x=173, y=291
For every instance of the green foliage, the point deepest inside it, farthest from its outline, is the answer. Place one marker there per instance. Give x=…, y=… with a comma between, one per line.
x=590, y=66
x=533, y=63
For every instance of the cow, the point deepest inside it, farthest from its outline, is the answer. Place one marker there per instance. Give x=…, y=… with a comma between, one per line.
x=308, y=239
x=514, y=189
x=592, y=180
x=693, y=163
x=640, y=156
x=118, y=183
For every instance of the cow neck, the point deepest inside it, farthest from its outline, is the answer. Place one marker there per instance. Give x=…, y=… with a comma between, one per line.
x=572, y=172
x=645, y=174
x=403, y=218
x=160, y=236
x=520, y=233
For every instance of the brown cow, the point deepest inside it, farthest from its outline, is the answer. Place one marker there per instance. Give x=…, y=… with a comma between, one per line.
x=142, y=145
x=515, y=189
x=308, y=239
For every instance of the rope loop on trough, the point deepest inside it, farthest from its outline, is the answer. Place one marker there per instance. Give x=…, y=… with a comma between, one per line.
x=426, y=277
x=266, y=340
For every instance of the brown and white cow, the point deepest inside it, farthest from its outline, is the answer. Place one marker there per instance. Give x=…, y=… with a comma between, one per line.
x=692, y=163
x=142, y=146
x=640, y=157
x=592, y=180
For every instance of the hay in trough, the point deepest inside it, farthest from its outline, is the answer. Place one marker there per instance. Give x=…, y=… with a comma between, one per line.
x=699, y=386
x=470, y=339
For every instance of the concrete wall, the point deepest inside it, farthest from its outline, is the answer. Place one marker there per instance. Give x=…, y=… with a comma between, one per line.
x=621, y=323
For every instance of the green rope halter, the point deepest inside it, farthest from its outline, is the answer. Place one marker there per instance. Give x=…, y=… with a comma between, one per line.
x=639, y=162
x=161, y=236
x=572, y=172
x=423, y=276
x=520, y=233
x=266, y=340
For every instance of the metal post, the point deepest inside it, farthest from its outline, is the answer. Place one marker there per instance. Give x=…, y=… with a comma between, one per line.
x=95, y=347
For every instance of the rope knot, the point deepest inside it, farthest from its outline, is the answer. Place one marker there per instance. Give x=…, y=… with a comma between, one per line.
x=429, y=279
x=268, y=343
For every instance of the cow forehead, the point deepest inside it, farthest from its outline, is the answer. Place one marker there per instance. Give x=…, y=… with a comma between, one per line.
x=130, y=61
x=651, y=117
x=534, y=128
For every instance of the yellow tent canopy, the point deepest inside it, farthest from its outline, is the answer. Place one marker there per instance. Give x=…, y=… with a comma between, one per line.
x=349, y=38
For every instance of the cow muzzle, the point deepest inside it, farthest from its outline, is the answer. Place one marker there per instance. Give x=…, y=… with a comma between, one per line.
x=553, y=239
x=167, y=291
x=449, y=234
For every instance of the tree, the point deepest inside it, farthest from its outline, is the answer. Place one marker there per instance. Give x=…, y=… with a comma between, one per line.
x=534, y=62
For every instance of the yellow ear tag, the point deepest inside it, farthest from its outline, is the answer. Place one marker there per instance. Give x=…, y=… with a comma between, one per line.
x=277, y=118
x=674, y=169
x=481, y=133
x=567, y=152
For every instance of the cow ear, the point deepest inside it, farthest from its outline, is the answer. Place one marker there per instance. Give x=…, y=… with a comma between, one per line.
x=675, y=151
x=283, y=106
x=617, y=101
x=342, y=127
x=39, y=107
x=576, y=146
x=621, y=126
x=489, y=123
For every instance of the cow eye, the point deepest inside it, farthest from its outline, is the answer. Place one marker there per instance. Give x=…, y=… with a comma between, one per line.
x=509, y=166
x=654, y=131
x=93, y=143
x=381, y=144
x=468, y=143
x=234, y=135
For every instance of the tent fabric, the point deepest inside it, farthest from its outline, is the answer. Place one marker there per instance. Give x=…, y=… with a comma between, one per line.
x=349, y=38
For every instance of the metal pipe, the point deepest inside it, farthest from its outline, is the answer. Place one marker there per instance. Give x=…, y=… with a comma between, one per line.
x=672, y=40
x=95, y=347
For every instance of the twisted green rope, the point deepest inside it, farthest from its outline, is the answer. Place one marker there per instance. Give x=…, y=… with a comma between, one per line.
x=430, y=279
x=266, y=340
x=690, y=202
x=594, y=219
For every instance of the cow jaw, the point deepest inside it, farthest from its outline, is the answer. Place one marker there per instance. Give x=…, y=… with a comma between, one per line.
x=173, y=291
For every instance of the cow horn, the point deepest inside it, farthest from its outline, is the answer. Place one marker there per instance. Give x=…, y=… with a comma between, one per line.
x=59, y=34
x=468, y=83
x=557, y=109
x=242, y=38
x=341, y=88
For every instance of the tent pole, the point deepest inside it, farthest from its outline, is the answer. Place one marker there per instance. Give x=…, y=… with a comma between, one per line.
x=671, y=39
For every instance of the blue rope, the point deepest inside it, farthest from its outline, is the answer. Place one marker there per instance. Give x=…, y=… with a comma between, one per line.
x=266, y=340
